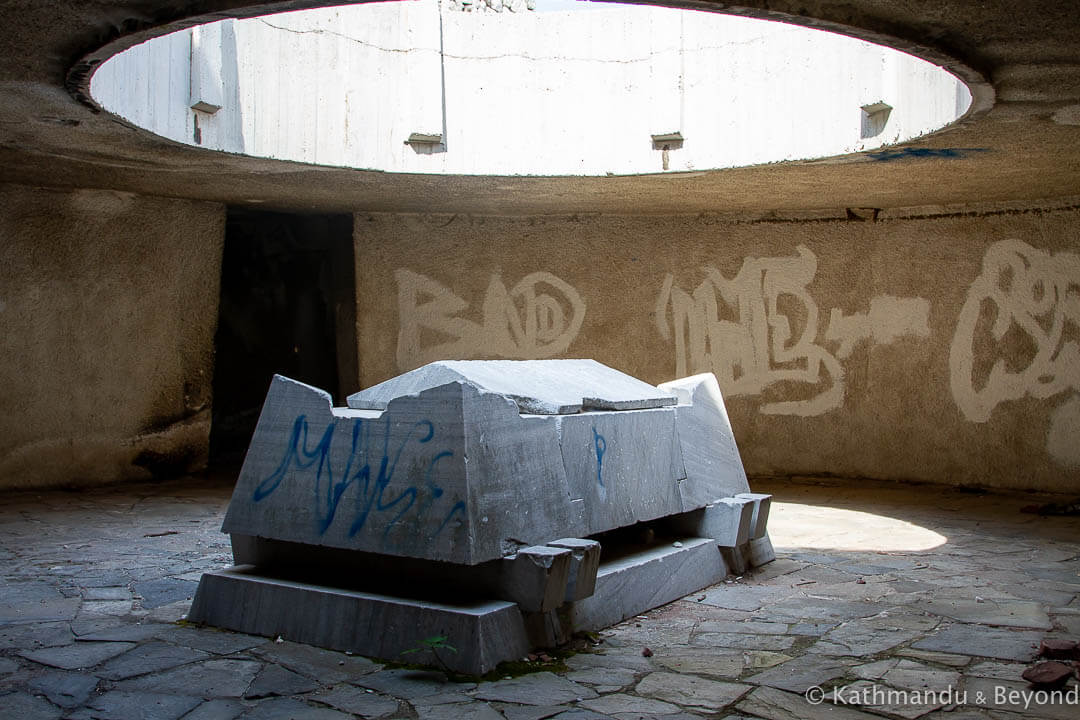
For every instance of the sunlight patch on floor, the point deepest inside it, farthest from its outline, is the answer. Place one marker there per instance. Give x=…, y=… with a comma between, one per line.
x=793, y=525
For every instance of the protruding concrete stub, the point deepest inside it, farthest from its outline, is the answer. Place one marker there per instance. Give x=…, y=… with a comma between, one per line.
x=751, y=554
x=762, y=505
x=584, y=563
x=535, y=577
x=545, y=629
x=736, y=558
x=761, y=551
x=728, y=521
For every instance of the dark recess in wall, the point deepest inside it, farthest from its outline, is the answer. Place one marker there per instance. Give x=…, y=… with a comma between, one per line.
x=288, y=306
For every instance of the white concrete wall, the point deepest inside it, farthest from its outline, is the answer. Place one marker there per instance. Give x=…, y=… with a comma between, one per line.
x=555, y=93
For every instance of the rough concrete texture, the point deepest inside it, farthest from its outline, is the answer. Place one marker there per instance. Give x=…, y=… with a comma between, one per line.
x=897, y=349
x=455, y=473
x=846, y=604
x=108, y=304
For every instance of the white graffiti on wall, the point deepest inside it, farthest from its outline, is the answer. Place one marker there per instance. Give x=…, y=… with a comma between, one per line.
x=537, y=318
x=1035, y=296
x=742, y=329
x=890, y=318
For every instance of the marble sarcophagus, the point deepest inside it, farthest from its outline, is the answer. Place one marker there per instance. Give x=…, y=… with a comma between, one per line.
x=502, y=504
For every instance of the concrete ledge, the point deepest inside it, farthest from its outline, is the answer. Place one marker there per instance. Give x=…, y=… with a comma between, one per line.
x=483, y=633
x=644, y=580
x=536, y=578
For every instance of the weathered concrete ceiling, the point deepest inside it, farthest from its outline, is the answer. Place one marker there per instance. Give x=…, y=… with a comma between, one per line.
x=1025, y=149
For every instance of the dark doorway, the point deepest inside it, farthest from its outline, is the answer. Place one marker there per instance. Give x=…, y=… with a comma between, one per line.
x=288, y=306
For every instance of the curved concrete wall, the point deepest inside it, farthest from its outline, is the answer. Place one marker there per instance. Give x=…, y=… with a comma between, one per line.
x=108, y=305
x=105, y=297
x=941, y=349
x=349, y=86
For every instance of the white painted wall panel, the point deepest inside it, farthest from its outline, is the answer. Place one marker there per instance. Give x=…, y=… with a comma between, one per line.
x=559, y=93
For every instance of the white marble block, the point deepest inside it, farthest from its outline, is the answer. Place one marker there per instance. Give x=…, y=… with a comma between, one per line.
x=626, y=465
x=467, y=462
x=535, y=577
x=396, y=482
x=541, y=387
x=390, y=482
x=762, y=504
x=483, y=633
x=480, y=479
x=710, y=457
x=641, y=581
x=584, y=563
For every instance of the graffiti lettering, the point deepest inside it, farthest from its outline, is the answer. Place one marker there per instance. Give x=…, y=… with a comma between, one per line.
x=745, y=331
x=921, y=153
x=370, y=453
x=537, y=318
x=600, y=446
x=1034, y=295
x=889, y=319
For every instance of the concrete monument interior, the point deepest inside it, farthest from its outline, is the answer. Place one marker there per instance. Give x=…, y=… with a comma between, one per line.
x=893, y=325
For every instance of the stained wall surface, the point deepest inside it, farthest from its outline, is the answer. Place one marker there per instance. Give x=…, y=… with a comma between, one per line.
x=108, y=305
x=941, y=348
x=89, y=294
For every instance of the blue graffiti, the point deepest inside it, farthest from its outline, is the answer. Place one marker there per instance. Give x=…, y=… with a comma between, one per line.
x=905, y=153
x=371, y=453
x=601, y=447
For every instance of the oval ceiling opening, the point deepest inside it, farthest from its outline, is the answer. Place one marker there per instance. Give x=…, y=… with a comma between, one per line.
x=552, y=87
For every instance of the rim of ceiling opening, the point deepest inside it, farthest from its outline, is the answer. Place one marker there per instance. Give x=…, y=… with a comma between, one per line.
x=80, y=75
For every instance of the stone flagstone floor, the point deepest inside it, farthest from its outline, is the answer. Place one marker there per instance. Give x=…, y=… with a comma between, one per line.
x=939, y=596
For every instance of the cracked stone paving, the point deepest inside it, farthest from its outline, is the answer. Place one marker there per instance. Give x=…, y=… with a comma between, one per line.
x=884, y=601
